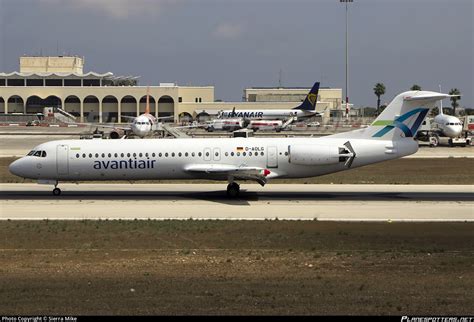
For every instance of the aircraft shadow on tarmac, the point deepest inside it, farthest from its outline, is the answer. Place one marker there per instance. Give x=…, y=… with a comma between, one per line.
x=219, y=196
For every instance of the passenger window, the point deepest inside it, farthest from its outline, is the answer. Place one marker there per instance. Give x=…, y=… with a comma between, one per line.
x=166, y=154
x=186, y=154
x=122, y=155
x=244, y=154
x=172, y=154
x=153, y=154
x=199, y=154
x=97, y=155
x=238, y=154
x=110, y=155
x=193, y=154
x=159, y=154
x=43, y=154
x=250, y=154
x=232, y=154
x=103, y=155
x=134, y=155
x=77, y=155
x=90, y=155
x=116, y=155
x=207, y=154
x=217, y=154
x=179, y=154
x=140, y=155
x=84, y=155
x=261, y=153
x=227, y=154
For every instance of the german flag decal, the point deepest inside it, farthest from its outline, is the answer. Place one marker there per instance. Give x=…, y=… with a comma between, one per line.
x=240, y=149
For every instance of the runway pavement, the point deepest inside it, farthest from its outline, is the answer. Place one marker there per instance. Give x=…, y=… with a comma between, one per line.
x=208, y=201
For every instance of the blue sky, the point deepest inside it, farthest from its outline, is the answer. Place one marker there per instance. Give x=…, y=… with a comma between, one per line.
x=237, y=44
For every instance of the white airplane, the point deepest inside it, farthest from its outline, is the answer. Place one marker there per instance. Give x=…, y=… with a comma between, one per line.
x=449, y=125
x=390, y=136
x=304, y=110
x=141, y=126
x=443, y=125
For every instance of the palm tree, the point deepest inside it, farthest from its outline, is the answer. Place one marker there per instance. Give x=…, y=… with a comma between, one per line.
x=454, y=104
x=415, y=88
x=434, y=111
x=379, y=90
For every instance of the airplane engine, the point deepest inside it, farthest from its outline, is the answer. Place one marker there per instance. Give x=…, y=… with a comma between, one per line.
x=116, y=133
x=321, y=154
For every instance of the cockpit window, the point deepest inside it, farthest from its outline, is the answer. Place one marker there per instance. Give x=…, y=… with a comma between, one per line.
x=41, y=154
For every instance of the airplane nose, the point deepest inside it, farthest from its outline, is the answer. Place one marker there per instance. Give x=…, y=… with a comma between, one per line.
x=15, y=167
x=453, y=131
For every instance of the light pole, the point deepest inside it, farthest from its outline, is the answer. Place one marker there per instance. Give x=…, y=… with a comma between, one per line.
x=347, y=56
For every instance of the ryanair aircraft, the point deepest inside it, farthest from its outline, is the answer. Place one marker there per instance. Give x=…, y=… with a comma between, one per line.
x=390, y=136
x=304, y=110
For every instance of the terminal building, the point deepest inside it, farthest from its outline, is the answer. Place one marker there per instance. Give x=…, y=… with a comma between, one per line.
x=103, y=97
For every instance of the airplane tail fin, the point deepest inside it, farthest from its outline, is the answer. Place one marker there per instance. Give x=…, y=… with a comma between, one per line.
x=401, y=118
x=147, y=109
x=309, y=104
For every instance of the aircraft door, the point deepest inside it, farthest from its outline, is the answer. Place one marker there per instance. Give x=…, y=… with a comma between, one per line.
x=62, y=159
x=272, y=157
x=216, y=154
x=207, y=154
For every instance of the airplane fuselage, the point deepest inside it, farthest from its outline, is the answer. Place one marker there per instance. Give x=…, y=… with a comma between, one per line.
x=274, y=114
x=82, y=160
x=449, y=125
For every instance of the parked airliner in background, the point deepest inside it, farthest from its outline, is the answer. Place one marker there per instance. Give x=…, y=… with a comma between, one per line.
x=304, y=110
x=390, y=136
x=449, y=125
x=442, y=125
x=143, y=125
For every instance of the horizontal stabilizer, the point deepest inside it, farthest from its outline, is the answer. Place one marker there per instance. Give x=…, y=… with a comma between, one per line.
x=425, y=95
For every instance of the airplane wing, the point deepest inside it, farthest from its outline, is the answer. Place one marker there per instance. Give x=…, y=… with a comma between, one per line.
x=260, y=175
x=131, y=118
x=121, y=127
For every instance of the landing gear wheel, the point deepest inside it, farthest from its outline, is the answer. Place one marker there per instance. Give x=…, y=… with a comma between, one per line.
x=434, y=141
x=233, y=190
x=56, y=191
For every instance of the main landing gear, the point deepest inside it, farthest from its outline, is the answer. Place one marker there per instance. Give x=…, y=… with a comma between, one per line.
x=56, y=190
x=233, y=190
